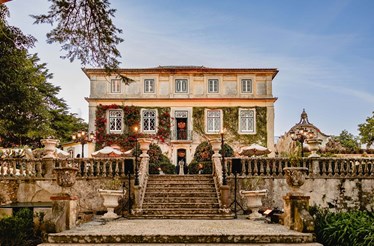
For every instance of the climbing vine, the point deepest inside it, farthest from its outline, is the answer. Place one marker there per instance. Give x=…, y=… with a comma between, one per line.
x=231, y=124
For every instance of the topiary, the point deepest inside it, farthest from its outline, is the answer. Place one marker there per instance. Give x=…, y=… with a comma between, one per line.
x=158, y=160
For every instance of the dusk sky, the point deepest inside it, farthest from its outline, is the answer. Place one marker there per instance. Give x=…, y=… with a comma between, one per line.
x=324, y=50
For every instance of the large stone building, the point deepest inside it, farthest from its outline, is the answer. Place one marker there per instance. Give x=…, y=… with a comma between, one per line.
x=181, y=106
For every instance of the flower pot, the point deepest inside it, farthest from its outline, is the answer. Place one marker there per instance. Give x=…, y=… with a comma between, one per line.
x=314, y=146
x=253, y=199
x=216, y=146
x=295, y=178
x=111, y=201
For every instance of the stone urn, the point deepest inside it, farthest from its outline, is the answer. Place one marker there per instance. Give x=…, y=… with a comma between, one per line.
x=216, y=146
x=111, y=201
x=295, y=178
x=66, y=177
x=50, y=147
x=253, y=199
x=314, y=146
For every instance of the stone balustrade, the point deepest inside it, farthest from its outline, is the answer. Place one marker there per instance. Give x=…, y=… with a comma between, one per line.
x=14, y=168
x=318, y=167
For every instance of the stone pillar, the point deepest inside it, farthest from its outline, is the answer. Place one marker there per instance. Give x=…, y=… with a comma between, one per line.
x=296, y=215
x=136, y=206
x=270, y=129
x=64, y=211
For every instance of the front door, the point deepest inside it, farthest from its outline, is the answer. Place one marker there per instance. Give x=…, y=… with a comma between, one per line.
x=181, y=161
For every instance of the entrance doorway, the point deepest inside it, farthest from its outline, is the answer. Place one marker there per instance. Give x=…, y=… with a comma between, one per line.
x=181, y=161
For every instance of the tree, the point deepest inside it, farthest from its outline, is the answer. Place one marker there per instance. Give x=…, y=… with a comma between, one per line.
x=29, y=107
x=349, y=141
x=85, y=31
x=367, y=131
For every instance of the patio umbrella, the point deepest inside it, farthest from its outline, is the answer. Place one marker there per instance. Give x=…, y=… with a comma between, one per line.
x=107, y=152
x=254, y=149
x=61, y=153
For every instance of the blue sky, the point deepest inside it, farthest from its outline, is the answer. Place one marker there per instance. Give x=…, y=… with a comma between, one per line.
x=324, y=50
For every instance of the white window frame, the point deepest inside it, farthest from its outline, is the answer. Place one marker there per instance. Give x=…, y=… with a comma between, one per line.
x=179, y=88
x=117, y=130
x=217, y=85
x=247, y=130
x=142, y=121
x=146, y=87
x=246, y=89
x=115, y=86
x=218, y=120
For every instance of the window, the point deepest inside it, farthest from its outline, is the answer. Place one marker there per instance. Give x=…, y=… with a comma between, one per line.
x=181, y=85
x=149, y=86
x=115, y=121
x=115, y=86
x=213, y=121
x=213, y=86
x=247, y=121
x=149, y=120
x=246, y=86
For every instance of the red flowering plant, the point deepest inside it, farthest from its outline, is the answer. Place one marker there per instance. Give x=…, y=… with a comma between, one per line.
x=131, y=118
x=164, y=124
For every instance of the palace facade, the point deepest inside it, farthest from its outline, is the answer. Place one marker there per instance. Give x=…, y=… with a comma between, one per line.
x=182, y=106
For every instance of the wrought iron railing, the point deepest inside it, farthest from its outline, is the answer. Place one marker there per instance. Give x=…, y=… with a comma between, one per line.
x=181, y=135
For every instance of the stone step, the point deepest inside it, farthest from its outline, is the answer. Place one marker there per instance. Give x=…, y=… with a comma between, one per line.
x=185, y=217
x=180, y=189
x=179, y=211
x=180, y=200
x=182, y=232
x=181, y=177
x=179, y=185
x=149, y=205
x=180, y=194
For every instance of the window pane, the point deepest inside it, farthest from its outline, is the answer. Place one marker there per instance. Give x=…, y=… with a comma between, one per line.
x=149, y=85
x=246, y=121
x=115, y=86
x=247, y=85
x=149, y=120
x=213, y=85
x=181, y=85
x=115, y=120
x=213, y=121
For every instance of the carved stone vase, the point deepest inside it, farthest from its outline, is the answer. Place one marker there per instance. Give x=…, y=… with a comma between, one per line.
x=50, y=147
x=295, y=178
x=314, y=146
x=216, y=146
x=66, y=177
x=111, y=201
x=253, y=199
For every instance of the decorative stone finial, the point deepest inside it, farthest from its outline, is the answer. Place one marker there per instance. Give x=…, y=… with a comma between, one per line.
x=304, y=118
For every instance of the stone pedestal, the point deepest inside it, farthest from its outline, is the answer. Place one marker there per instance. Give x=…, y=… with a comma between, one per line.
x=225, y=195
x=64, y=211
x=136, y=206
x=296, y=215
x=216, y=146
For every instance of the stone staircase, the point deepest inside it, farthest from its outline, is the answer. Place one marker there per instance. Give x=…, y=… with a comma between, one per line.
x=181, y=197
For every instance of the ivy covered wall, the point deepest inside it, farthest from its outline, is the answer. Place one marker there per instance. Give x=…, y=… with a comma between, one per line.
x=231, y=124
x=131, y=118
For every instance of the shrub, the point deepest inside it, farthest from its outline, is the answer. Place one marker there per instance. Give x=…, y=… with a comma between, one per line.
x=19, y=229
x=193, y=168
x=354, y=228
x=157, y=159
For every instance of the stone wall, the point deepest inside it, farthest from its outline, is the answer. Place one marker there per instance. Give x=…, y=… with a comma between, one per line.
x=334, y=193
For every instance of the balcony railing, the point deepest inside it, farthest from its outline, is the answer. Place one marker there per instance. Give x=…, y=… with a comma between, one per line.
x=181, y=135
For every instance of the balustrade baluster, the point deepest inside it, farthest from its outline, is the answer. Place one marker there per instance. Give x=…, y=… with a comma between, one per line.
x=342, y=168
x=274, y=167
x=98, y=169
x=371, y=168
x=366, y=166
x=104, y=168
x=353, y=168
x=255, y=169
x=267, y=169
x=85, y=168
x=14, y=170
x=329, y=169
x=116, y=171
x=360, y=169
x=280, y=168
x=324, y=170
x=261, y=162
x=122, y=168
x=242, y=163
x=336, y=167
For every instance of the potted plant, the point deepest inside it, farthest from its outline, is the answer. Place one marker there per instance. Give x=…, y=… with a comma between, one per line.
x=295, y=174
x=111, y=191
x=253, y=196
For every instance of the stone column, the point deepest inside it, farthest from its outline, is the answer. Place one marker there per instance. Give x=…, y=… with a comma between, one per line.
x=270, y=129
x=296, y=215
